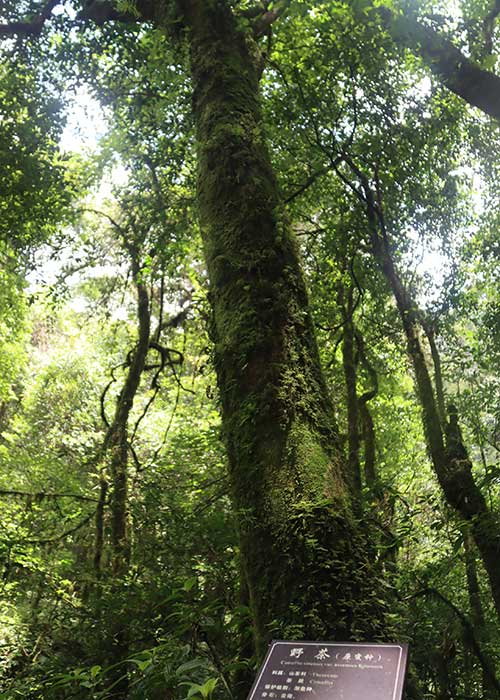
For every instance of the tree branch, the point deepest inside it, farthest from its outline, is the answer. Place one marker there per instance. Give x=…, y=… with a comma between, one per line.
x=102, y=11
x=63, y=535
x=477, y=86
x=311, y=180
x=31, y=27
x=489, y=27
x=267, y=18
x=468, y=629
x=40, y=495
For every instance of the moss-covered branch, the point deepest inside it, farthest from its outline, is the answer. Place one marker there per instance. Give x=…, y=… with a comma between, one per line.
x=479, y=87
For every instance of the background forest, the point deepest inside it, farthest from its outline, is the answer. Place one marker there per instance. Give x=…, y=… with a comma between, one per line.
x=196, y=455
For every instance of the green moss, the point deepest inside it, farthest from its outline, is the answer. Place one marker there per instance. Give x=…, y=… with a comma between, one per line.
x=304, y=556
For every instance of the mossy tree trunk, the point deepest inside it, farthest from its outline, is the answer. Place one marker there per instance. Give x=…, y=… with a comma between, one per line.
x=303, y=552
x=368, y=427
x=445, y=444
x=117, y=437
x=347, y=308
x=116, y=449
x=448, y=453
x=477, y=617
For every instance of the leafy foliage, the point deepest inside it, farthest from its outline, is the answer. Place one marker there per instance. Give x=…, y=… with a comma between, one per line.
x=348, y=112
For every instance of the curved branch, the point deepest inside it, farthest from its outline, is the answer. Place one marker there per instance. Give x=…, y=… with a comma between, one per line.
x=63, y=535
x=477, y=86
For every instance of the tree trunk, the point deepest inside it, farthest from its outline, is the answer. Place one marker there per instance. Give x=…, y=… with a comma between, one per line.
x=99, y=524
x=381, y=500
x=445, y=445
x=490, y=689
x=368, y=428
x=449, y=456
x=346, y=303
x=116, y=445
x=303, y=552
x=116, y=442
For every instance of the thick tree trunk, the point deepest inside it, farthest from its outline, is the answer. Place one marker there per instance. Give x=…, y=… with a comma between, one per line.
x=302, y=549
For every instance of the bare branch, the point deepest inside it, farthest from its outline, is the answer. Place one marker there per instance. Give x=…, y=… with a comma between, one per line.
x=112, y=221
x=311, y=180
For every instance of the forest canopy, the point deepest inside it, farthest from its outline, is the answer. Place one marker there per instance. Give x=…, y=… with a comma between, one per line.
x=249, y=341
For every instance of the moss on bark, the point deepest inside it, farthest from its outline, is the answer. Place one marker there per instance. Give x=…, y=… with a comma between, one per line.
x=303, y=551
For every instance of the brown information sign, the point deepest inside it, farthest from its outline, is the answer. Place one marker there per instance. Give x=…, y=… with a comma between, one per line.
x=331, y=671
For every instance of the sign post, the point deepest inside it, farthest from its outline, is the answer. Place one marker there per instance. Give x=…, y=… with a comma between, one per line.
x=331, y=671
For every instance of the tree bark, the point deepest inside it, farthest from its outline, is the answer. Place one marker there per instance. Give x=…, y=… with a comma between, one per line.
x=116, y=446
x=303, y=551
x=116, y=442
x=99, y=524
x=368, y=428
x=445, y=445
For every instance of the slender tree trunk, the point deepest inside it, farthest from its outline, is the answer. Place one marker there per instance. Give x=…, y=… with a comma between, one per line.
x=99, y=524
x=117, y=448
x=469, y=636
x=449, y=456
x=379, y=495
x=304, y=554
x=438, y=374
x=368, y=427
x=490, y=691
x=443, y=657
x=117, y=437
x=346, y=303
